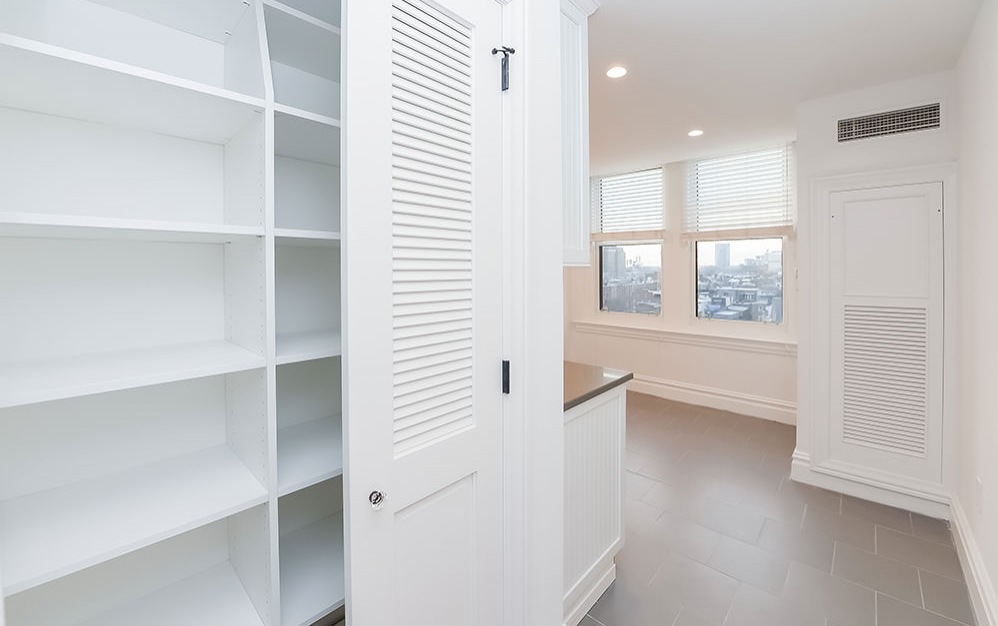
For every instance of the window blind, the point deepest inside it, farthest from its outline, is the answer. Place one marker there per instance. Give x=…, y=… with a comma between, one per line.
x=627, y=202
x=749, y=191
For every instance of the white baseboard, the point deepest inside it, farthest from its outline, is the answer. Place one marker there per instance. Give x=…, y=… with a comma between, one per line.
x=925, y=498
x=736, y=402
x=982, y=592
x=598, y=581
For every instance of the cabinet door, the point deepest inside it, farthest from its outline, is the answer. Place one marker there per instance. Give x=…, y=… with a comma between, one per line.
x=423, y=270
x=887, y=330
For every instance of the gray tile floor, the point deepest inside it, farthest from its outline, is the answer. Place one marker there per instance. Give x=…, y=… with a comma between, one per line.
x=718, y=534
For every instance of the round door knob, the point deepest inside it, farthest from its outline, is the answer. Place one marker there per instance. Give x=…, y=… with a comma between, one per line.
x=376, y=498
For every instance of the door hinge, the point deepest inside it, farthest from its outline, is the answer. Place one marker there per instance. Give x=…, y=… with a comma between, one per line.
x=505, y=376
x=505, y=51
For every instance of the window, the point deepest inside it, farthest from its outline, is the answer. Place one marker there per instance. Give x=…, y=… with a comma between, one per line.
x=627, y=220
x=740, y=279
x=738, y=210
x=631, y=278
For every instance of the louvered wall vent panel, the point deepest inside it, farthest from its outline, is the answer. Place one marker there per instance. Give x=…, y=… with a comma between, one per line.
x=431, y=224
x=890, y=123
x=885, y=403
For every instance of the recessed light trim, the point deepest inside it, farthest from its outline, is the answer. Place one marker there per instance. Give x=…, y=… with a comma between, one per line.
x=617, y=72
x=696, y=132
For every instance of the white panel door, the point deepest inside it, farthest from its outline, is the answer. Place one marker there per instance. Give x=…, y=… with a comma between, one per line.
x=887, y=329
x=422, y=226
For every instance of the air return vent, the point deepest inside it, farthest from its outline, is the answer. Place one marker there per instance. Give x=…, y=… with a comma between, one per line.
x=889, y=123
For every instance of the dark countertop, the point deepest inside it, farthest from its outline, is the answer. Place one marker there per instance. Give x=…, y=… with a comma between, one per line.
x=584, y=382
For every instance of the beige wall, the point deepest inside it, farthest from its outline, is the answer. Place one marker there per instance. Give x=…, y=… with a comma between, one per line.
x=978, y=331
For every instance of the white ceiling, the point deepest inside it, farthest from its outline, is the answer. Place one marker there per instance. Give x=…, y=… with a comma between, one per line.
x=737, y=68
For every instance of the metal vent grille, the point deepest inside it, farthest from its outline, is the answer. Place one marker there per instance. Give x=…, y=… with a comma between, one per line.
x=431, y=224
x=885, y=394
x=890, y=123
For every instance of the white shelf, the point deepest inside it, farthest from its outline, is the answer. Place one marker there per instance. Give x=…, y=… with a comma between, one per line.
x=307, y=115
x=59, y=531
x=307, y=346
x=312, y=572
x=214, y=596
x=301, y=237
x=326, y=11
x=303, y=16
x=309, y=453
x=83, y=227
x=39, y=77
x=40, y=381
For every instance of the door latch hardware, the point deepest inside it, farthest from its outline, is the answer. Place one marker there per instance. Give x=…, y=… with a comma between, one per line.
x=505, y=51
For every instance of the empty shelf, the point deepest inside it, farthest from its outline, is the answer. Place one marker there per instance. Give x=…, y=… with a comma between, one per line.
x=84, y=227
x=309, y=453
x=56, y=532
x=214, y=596
x=39, y=77
x=301, y=237
x=306, y=346
x=312, y=571
x=39, y=381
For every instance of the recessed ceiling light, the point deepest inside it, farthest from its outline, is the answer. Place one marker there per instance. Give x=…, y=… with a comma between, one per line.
x=696, y=132
x=616, y=72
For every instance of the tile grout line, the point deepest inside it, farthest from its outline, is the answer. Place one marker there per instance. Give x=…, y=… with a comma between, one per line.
x=675, y=620
x=921, y=589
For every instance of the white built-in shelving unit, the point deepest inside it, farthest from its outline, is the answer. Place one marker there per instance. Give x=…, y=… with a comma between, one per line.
x=170, y=353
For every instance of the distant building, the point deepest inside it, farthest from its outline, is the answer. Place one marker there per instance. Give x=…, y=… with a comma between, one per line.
x=614, y=263
x=722, y=255
x=774, y=261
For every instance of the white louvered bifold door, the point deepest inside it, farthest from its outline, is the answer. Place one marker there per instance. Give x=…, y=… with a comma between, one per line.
x=887, y=329
x=422, y=244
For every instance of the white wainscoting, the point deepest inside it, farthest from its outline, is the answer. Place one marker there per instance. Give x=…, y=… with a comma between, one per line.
x=594, y=483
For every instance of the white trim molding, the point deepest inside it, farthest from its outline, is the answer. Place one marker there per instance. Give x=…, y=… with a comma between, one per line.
x=927, y=498
x=983, y=597
x=760, y=346
x=587, y=7
x=746, y=404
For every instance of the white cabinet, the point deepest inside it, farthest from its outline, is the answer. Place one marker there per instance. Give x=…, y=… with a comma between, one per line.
x=575, y=127
x=594, y=484
x=170, y=354
x=879, y=417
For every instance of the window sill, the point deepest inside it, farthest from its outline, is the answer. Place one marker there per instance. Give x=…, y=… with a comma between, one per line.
x=689, y=337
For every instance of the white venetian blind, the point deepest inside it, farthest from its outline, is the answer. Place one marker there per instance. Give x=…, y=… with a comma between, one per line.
x=749, y=191
x=626, y=202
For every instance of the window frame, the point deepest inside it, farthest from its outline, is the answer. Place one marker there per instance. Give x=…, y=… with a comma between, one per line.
x=598, y=249
x=695, y=309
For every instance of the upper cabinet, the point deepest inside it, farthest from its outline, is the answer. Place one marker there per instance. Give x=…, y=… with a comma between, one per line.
x=575, y=127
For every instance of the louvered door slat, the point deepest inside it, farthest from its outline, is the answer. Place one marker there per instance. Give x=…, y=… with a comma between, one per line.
x=893, y=416
x=431, y=225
